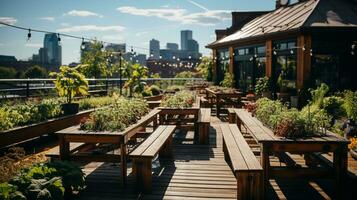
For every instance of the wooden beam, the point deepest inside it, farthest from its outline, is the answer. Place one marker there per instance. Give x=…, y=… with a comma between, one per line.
x=303, y=60
x=214, y=66
x=269, y=57
x=231, y=60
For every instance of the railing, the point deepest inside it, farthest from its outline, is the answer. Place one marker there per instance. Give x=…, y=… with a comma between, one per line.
x=25, y=88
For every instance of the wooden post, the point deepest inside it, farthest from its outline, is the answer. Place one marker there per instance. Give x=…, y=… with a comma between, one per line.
x=231, y=61
x=214, y=66
x=63, y=148
x=340, y=170
x=166, y=150
x=303, y=60
x=264, y=161
x=269, y=58
x=154, y=123
x=143, y=171
x=123, y=152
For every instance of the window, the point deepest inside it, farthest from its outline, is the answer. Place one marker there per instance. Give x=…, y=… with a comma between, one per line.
x=222, y=64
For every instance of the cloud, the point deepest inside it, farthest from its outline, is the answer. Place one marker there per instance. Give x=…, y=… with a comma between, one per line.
x=8, y=20
x=33, y=45
x=206, y=18
x=113, y=38
x=82, y=13
x=198, y=5
x=1, y=44
x=138, y=34
x=50, y=19
x=71, y=29
x=65, y=24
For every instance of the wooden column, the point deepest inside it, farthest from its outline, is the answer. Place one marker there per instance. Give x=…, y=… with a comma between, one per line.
x=269, y=58
x=303, y=60
x=214, y=65
x=231, y=60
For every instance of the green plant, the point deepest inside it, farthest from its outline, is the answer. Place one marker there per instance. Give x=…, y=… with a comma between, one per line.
x=318, y=94
x=135, y=79
x=205, y=68
x=262, y=85
x=333, y=105
x=36, y=72
x=69, y=82
x=155, y=90
x=121, y=114
x=350, y=104
x=182, y=99
x=10, y=192
x=228, y=80
x=94, y=102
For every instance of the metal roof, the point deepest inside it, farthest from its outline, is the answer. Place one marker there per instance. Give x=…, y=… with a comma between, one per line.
x=312, y=13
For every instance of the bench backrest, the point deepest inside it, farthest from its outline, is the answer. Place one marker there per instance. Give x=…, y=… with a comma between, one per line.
x=204, y=115
x=241, y=155
x=151, y=146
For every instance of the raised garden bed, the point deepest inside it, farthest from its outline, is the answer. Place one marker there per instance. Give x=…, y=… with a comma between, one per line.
x=22, y=134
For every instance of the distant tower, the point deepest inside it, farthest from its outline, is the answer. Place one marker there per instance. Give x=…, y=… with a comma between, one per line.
x=171, y=46
x=154, y=49
x=54, y=50
x=185, y=36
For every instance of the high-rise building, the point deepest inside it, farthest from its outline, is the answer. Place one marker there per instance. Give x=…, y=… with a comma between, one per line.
x=43, y=55
x=185, y=36
x=116, y=47
x=192, y=46
x=154, y=49
x=54, y=50
x=171, y=46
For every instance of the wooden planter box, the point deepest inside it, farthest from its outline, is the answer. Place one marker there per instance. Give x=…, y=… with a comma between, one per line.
x=154, y=98
x=21, y=134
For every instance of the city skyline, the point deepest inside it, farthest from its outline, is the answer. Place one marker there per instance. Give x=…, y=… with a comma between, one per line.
x=115, y=21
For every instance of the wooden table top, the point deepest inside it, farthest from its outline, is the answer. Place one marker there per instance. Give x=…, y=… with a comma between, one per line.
x=264, y=134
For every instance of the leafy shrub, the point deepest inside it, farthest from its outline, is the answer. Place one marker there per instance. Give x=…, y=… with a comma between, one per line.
x=268, y=111
x=317, y=119
x=121, y=114
x=155, y=90
x=44, y=181
x=147, y=92
x=182, y=99
x=94, y=102
x=333, y=105
x=228, y=80
x=350, y=104
x=318, y=94
x=262, y=85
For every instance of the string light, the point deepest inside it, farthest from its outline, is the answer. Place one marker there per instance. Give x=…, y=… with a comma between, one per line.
x=310, y=52
x=59, y=38
x=291, y=51
x=83, y=45
x=29, y=35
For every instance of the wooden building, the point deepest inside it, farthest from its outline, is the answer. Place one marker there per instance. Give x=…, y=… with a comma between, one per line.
x=297, y=45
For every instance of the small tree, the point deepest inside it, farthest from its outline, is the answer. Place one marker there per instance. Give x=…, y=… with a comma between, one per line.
x=228, y=80
x=95, y=61
x=135, y=80
x=262, y=85
x=36, y=72
x=205, y=68
x=69, y=83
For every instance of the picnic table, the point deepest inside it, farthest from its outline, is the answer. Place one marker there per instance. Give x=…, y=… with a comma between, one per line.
x=117, y=138
x=271, y=144
x=218, y=98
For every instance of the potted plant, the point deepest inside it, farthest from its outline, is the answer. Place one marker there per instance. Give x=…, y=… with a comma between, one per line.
x=69, y=83
x=283, y=94
x=262, y=87
x=350, y=106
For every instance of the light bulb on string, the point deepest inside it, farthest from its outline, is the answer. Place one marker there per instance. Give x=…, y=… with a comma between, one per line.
x=83, y=45
x=291, y=51
x=29, y=35
x=132, y=50
x=274, y=52
x=59, y=38
x=303, y=48
x=310, y=52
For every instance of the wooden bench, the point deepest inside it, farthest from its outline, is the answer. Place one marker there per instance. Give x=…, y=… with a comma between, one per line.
x=246, y=167
x=159, y=142
x=204, y=103
x=231, y=116
x=203, y=123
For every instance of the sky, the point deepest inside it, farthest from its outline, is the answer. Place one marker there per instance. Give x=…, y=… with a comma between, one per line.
x=134, y=22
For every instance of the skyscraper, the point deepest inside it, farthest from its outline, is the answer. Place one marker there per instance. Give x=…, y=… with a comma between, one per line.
x=192, y=46
x=154, y=49
x=171, y=46
x=54, y=50
x=185, y=36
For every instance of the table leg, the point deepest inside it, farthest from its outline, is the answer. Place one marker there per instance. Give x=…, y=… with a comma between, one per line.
x=218, y=106
x=123, y=164
x=340, y=170
x=264, y=161
x=63, y=148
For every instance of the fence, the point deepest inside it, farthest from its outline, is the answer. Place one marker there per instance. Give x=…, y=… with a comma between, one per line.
x=25, y=88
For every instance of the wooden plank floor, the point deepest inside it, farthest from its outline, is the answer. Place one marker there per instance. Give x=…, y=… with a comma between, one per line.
x=196, y=172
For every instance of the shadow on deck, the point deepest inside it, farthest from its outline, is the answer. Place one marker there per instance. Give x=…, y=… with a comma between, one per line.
x=197, y=172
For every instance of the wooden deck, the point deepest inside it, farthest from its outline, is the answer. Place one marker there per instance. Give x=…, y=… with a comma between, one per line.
x=197, y=172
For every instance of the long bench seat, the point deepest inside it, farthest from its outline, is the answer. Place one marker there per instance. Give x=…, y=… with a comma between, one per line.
x=244, y=164
x=203, y=124
x=159, y=142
